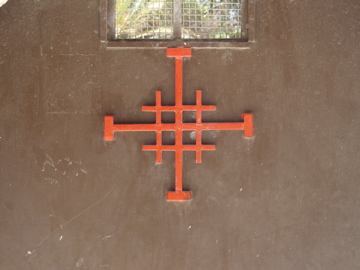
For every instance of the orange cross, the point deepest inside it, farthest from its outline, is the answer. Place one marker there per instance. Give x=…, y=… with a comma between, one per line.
x=178, y=127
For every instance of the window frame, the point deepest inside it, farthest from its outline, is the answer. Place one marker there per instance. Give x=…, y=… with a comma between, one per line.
x=107, y=32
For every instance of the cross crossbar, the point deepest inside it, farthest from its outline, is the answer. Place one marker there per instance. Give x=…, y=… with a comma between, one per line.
x=178, y=126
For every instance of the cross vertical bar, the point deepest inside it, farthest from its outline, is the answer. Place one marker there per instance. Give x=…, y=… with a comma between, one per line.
x=179, y=54
x=158, y=123
x=178, y=122
x=178, y=169
x=109, y=128
x=198, y=121
x=178, y=81
x=248, y=125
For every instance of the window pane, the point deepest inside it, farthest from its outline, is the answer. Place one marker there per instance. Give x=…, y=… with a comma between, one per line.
x=211, y=19
x=144, y=19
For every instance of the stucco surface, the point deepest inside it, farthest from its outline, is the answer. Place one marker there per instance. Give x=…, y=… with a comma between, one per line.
x=286, y=199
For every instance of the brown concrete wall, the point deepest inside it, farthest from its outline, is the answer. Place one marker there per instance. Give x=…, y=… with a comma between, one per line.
x=286, y=199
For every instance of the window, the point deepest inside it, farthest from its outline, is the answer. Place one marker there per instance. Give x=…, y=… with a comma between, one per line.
x=166, y=23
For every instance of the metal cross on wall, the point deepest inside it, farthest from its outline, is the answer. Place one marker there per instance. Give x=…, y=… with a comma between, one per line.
x=178, y=127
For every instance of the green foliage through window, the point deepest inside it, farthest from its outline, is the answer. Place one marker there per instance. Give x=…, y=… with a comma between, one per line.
x=200, y=19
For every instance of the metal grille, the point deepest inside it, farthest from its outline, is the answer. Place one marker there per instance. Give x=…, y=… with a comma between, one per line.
x=197, y=19
x=144, y=19
x=211, y=19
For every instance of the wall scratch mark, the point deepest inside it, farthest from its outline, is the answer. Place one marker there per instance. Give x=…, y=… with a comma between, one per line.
x=48, y=161
x=72, y=219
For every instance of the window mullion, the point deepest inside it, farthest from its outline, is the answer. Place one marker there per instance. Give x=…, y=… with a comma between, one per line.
x=177, y=21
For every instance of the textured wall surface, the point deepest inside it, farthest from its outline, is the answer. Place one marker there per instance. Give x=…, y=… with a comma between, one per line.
x=286, y=199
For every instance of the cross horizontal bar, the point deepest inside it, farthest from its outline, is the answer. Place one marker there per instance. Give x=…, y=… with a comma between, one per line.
x=212, y=126
x=179, y=196
x=181, y=108
x=110, y=127
x=171, y=127
x=184, y=147
x=183, y=126
x=178, y=52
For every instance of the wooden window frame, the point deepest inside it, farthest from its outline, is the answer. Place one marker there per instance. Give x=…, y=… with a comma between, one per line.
x=107, y=32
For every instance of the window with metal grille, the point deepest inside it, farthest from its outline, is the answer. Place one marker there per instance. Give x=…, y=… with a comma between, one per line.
x=178, y=22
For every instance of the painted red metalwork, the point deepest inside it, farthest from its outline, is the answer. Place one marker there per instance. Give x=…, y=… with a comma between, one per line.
x=178, y=127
